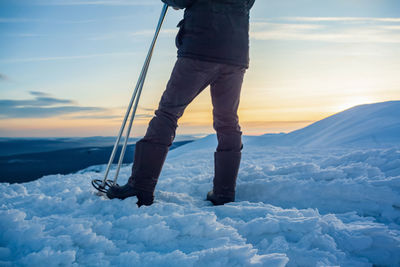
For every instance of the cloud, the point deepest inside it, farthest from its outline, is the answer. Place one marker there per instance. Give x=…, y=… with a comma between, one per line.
x=142, y=33
x=3, y=77
x=95, y=117
x=38, y=93
x=23, y=35
x=138, y=117
x=287, y=26
x=146, y=109
x=341, y=19
x=391, y=27
x=108, y=117
x=99, y=2
x=57, y=21
x=19, y=20
x=172, y=31
x=328, y=29
x=41, y=106
x=143, y=116
x=39, y=59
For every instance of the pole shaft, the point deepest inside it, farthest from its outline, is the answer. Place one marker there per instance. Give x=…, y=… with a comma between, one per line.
x=138, y=91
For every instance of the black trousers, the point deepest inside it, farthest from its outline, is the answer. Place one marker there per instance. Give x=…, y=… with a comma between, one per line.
x=189, y=78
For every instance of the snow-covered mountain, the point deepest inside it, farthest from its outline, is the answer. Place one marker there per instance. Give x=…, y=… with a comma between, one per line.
x=370, y=125
x=295, y=206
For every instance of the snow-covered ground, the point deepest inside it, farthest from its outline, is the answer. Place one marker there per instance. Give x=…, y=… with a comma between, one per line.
x=297, y=205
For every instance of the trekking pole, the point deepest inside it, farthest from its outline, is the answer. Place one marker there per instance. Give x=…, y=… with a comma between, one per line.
x=145, y=68
x=100, y=185
x=121, y=156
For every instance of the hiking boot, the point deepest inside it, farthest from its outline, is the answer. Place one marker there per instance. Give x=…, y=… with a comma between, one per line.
x=219, y=199
x=122, y=192
x=147, y=165
x=226, y=168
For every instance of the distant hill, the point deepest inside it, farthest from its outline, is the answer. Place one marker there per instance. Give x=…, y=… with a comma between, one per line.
x=31, y=166
x=364, y=125
x=17, y=146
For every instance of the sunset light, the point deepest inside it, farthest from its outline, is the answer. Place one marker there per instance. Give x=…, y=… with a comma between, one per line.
x=81, y=61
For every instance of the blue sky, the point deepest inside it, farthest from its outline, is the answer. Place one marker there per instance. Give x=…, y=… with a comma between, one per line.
x=67, y=68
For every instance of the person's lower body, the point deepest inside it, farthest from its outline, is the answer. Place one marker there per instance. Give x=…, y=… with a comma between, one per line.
x=189, y=78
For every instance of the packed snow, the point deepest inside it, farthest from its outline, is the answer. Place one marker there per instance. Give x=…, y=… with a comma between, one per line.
x=296, y=206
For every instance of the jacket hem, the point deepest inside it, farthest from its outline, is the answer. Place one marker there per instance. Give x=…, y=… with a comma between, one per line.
x=216, y=60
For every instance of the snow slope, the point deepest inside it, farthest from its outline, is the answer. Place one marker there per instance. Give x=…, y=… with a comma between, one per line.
x=370, y=125
x=296, y=206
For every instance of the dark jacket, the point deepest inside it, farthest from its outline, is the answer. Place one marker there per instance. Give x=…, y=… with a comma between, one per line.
x=214, y=30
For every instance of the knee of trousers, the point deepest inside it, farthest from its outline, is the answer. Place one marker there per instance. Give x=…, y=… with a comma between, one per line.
x=229, y=141
x=161, y=130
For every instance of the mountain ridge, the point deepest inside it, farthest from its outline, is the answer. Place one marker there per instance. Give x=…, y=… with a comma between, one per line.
x=376, y=124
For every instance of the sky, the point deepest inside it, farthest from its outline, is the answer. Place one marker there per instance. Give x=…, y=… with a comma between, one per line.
x=68, y=68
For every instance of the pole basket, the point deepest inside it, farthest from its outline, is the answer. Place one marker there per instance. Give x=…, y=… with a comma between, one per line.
x=98, y=184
